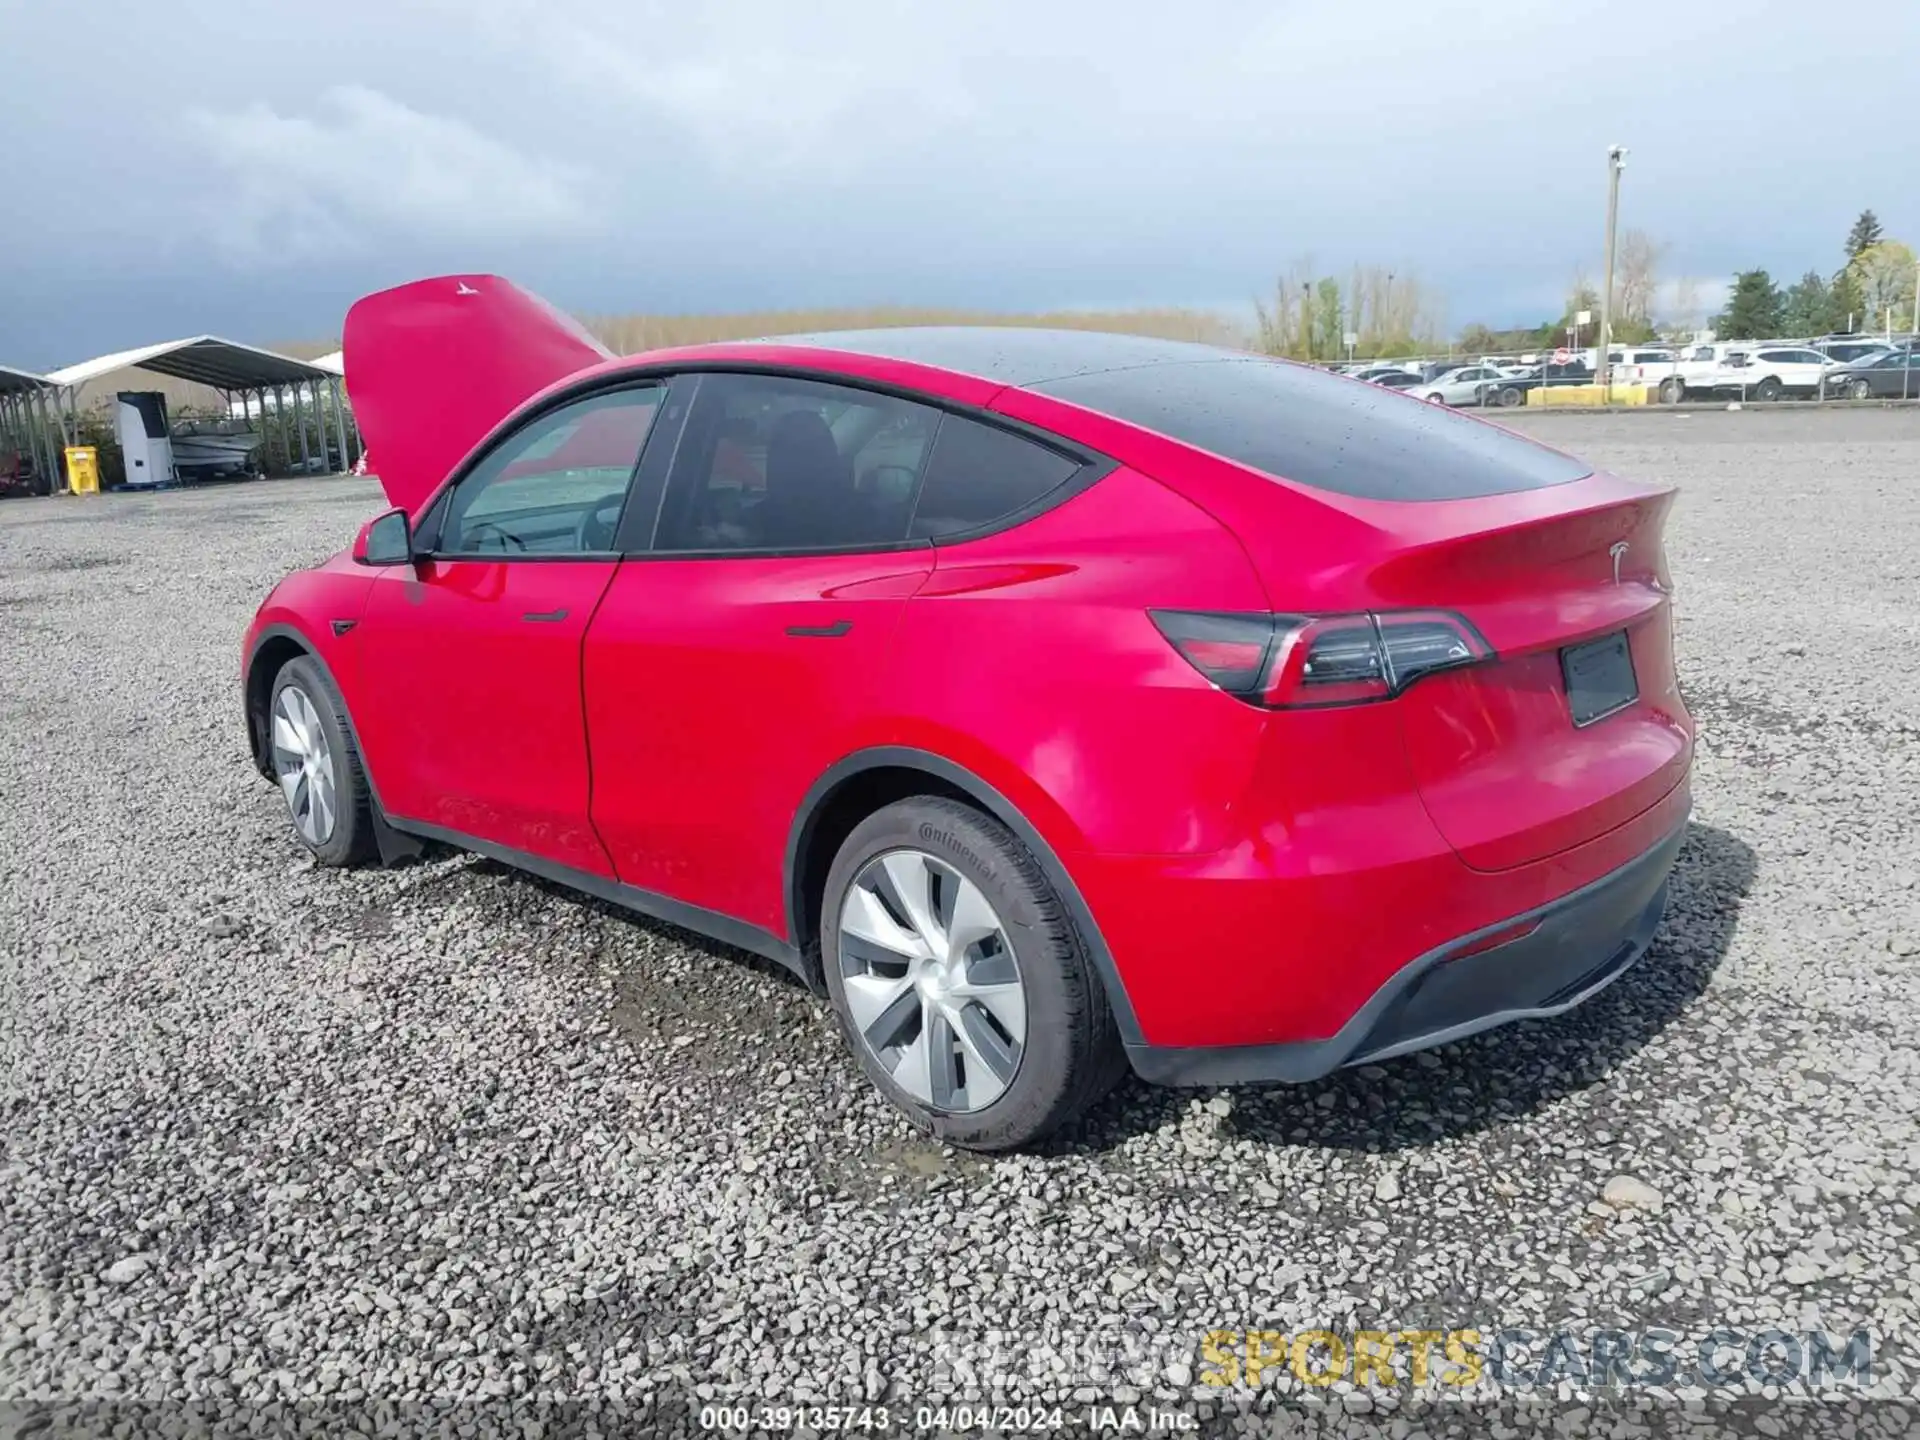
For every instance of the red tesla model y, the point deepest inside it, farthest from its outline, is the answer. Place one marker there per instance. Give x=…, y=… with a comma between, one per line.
x=1052, y=702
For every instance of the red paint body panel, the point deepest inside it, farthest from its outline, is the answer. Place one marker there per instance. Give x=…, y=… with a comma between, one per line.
x=709, y=720
x=433, y=366
x=1035, y=646
x=1258, y=944
x=307, y=602
x=469, y=714
x=1254, y=874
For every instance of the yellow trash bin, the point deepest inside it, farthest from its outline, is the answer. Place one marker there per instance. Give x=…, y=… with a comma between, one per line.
x=83, y=469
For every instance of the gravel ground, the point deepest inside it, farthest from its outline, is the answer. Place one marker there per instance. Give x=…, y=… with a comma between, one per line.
x=443, y=1133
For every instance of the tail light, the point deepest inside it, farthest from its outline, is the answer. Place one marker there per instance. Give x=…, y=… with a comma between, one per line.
x=1301, y=661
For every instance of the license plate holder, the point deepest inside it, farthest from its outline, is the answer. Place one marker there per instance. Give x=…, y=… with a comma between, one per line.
x=1599, y=678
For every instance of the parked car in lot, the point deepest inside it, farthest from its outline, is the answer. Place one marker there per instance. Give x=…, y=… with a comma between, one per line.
x=1379, y=373
x=1894, y=375
x=1396, y=379
x=1771, y=372
x=1535, y=377
x=1471, y=385
x=1049, y=701
x=1845, y=352
x=1695, y=371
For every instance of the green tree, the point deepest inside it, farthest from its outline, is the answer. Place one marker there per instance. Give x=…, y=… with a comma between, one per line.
x=1478, y=340
x=1864, y=235
x=1753, y=309
x=1807, y=308
x=1884, y=273
x=1849, y=309
x=1329, y=334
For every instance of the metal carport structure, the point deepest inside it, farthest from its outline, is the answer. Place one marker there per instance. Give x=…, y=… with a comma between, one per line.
x=28, y=422
x=259, y=381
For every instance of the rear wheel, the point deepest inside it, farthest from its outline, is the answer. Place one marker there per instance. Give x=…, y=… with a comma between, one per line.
x=318, y=768
x=1672, y=390
x=962, y=986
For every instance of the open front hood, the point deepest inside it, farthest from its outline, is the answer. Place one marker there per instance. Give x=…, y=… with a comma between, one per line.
x=433, y=366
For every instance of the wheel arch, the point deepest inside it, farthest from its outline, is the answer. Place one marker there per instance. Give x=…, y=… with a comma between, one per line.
x=865, y=781
x=274, y=648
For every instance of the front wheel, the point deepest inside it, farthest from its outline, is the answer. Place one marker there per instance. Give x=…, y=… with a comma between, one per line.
x=1510, y=396
x=1672, y=391
x=1435, y=398
x=960, y=982
x=314, y=759
x=1767, y=389
x=1860, y=390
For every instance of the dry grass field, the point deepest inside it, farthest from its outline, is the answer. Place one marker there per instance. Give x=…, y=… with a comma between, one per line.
x=629, y=334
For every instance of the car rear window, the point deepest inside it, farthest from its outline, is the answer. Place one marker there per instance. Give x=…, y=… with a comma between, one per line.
x=979, y=475
x=1321, y=430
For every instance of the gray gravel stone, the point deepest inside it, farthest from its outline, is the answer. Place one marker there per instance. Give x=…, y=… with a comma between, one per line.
x=1626, y=1192
x=125, y=1272
x=445, y=1132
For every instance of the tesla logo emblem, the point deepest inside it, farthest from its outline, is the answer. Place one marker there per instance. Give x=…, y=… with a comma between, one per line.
x=466, y=289
x=1619, y=553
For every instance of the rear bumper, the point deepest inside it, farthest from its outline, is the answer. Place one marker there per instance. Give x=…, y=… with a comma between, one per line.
x=1580, y=944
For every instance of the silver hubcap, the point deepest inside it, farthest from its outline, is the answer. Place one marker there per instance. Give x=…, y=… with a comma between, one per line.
x=931, y=982
x=304, y=764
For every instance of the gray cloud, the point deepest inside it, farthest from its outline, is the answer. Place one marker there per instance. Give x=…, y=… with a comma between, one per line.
x=253, y=169
x=363, y=167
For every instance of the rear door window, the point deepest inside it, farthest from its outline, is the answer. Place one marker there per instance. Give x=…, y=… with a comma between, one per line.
x=777, y=463
x=1302, y=425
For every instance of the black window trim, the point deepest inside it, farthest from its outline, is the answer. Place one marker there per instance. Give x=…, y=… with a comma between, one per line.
x=434, y=514
x=1094, y=466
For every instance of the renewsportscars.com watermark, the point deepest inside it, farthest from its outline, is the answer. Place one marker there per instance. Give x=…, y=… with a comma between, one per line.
x=1458, y=1360
x=1516, y=1358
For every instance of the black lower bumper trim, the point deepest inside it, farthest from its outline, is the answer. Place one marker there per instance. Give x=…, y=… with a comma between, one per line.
x=1580, y=944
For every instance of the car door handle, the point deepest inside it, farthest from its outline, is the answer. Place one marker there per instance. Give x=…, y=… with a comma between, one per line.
x=822, y=632
x=542, y=617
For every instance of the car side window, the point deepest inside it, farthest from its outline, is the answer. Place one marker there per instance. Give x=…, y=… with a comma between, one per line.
x=555, y=486
x=774, y=463
x=980, y=474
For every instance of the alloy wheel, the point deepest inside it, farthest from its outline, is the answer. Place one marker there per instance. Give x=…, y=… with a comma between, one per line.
x=303, y=763
x=933, y=989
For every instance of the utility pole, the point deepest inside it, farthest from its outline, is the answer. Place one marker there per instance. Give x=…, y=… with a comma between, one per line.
x=1616, y=162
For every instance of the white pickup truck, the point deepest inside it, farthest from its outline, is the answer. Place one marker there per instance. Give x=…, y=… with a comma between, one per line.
x=1695, y=369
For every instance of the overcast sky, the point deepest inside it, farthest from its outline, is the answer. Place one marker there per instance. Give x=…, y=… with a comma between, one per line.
x=248, y=167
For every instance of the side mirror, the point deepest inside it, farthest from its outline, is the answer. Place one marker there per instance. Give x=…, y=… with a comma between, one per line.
x=385, y=540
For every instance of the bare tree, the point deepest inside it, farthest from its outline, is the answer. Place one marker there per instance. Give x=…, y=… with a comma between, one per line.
x=1284, y=324
x=1389, y=311
x=1683, y=316
x=1637, y=277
